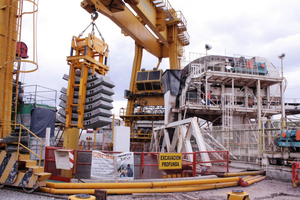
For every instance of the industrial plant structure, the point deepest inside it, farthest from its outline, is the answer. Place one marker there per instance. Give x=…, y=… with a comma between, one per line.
x=240, y=99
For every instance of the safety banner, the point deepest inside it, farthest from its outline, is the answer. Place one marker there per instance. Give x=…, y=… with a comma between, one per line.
x=117, y=166
x=170, y=161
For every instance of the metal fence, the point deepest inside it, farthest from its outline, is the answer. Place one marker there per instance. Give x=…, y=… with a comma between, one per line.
x=146, y=164
x=249, y=142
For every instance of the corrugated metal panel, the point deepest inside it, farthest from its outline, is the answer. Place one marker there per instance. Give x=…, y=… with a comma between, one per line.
x=84, y=165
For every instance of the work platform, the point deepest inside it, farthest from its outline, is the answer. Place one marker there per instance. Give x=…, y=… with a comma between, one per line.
x=232, y=84
x=237, y=98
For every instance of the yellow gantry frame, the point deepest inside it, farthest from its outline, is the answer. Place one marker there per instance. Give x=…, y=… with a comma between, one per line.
x=134, y=26
x=165, y=43
x=90, y=53
x=11, y=12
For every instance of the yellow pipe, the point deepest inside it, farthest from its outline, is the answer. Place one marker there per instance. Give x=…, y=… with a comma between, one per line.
x=241, y=174
x=95, y=135
x=256, y=180
x=248, y=182
x=171, y=190
x=196, y=185
x=250, y=178
x=66, y=191
x=140, y=190
x=137, y=184
x=247, y=177
x=113, y=132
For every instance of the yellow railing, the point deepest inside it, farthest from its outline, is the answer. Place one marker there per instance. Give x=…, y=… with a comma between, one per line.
x=19, y=143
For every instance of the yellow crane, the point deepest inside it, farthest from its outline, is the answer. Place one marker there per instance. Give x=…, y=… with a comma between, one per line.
x=155, y=26
x=17, y=168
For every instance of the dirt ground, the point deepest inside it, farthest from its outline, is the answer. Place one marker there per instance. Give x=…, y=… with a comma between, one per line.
x=263, y=190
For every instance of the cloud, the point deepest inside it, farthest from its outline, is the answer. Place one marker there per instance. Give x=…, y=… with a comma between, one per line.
x=254, y=28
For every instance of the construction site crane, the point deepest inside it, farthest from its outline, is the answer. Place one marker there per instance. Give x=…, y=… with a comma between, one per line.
x=155, y=26
x=17, y=168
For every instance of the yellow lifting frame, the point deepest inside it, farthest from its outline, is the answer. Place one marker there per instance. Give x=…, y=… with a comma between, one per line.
x=90, y=53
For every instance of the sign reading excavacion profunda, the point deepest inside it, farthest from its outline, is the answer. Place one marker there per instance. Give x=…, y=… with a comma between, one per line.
x=170, y=161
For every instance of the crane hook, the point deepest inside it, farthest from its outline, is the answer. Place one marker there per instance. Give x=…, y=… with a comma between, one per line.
x=94, y=16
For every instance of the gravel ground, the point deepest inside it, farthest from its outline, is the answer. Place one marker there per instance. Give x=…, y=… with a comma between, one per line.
x=264, y=190
x=6, y=194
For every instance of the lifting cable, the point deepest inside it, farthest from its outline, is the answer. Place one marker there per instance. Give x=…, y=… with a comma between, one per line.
x=94, y=16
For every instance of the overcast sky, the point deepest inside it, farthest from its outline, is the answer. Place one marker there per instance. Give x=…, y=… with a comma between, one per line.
x=253, y=28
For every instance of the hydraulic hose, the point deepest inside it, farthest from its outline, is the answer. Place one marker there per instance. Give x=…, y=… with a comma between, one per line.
x=247, y=177
x=248, y=182
x=250, y=178
x=137, y=184
x=142, y=190
x=241, y=173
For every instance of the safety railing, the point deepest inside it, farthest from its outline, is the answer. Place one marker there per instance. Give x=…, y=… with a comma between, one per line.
x=292, y=101
x=198, y=166
x=22, y=127
x=235, y=64
x=171, y=15
x=146, y=164
x=198, y=98
x=247, y=142
x=39, y=95
x=140, y=111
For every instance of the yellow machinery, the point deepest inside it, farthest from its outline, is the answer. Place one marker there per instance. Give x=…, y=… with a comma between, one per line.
x=169, y=27
x=145, y=96
x=88, y=56
x=8, y=41
x=16, y=167
x=90, y=53
x=237, y=195
x=82, y=196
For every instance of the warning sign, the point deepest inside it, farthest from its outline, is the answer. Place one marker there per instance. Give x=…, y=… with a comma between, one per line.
x=170, y=161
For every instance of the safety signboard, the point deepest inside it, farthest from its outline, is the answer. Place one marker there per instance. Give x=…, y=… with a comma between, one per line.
x=170, y=161
x=107, y=166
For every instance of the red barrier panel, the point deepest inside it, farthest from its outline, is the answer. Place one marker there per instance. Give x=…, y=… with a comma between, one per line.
x=50, y=166
x=145, y=164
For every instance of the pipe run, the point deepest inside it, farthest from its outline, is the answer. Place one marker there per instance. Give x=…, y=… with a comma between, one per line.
x=245, y=183
x=137, y=184
x=142, y=190
x=241, y=173
x=250, y=178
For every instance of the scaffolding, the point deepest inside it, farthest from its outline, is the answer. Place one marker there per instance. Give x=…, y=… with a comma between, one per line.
x=247, y=92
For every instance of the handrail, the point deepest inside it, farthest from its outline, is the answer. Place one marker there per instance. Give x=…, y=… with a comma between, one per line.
x=142, y=163
x=143, y=111
x=19, y=143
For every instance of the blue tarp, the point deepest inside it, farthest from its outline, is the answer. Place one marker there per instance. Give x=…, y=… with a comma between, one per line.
x=41, y=118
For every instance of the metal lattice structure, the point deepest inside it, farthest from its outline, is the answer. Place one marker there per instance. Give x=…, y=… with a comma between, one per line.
x=245, y=93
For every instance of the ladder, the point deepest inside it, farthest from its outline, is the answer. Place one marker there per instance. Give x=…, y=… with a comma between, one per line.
x=227, y=119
